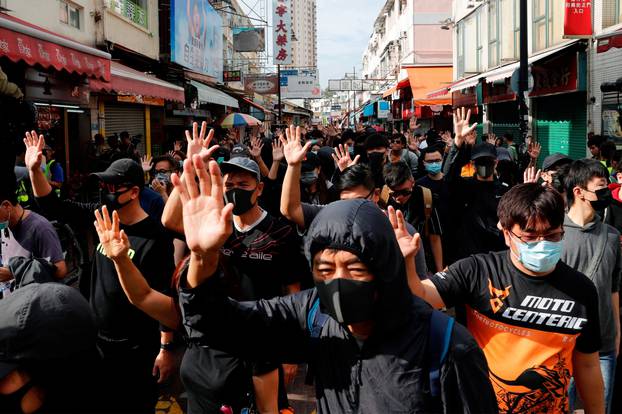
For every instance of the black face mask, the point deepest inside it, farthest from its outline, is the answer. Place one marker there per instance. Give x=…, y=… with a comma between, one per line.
x=376, y=159
x=604, y=199
x=484, y=170
x=347, y=301
x=241, y=200
x=111, y=200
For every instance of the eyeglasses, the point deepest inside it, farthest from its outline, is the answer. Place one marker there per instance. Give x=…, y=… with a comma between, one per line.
x=551, y=237
x=402, y=193
x=396, y=141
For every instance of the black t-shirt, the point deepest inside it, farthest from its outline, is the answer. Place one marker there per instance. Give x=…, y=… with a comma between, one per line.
x=117, y=319
x=414, y=212
x=528, y=327
x=261, y=260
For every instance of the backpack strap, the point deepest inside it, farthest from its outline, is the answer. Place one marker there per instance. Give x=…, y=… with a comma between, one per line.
x=441, y=328
x=316, y=320
x=427, y=209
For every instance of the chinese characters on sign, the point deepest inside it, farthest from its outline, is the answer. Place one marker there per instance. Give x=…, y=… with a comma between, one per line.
x=300, y=83
x=282, y=23
x=577, y=19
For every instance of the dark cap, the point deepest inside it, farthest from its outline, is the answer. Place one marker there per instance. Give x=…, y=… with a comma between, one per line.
x=123, y=171
x=43, y=322
x=482, y=150
x=310, y=163
x=555, y=160
x=240, y=150
x=240, y=163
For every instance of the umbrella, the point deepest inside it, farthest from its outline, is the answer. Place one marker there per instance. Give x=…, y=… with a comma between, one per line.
x=237, y=119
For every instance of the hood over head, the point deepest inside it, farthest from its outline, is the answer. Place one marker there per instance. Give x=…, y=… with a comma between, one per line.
x=361, y=228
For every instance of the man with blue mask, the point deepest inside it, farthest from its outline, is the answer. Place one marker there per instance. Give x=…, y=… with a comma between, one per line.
x=593, y=248
x=535, y=317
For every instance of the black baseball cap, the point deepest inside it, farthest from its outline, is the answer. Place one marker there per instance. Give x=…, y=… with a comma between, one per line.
x=555, y=160
x=482, y=150
x=44, y=322
x=123, y=171
x=241, y=163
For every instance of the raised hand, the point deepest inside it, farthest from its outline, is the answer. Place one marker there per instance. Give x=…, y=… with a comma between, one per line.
x=277, y=150
x=531, y=175
x=534, y=150
x=412, y=124
x=342, y=157
x=461, y=125
x=207, y=220
x=492, y=138
x=198, y=143
x=294, y=152
x=115, y=242
x=34, y=150
x=146, y=163
x=177, y=145
x=409, y=245
x=256, y=146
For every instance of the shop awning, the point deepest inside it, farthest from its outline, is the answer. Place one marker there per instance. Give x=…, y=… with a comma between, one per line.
x=23, y=41
x=211, y=95
x=369, y=109
x=256, y=105
x=464, y=83
x=441, y=92
x=507, y=70
x=608, y=40
x=425, y=79
x=128, y=81
x=404, y=83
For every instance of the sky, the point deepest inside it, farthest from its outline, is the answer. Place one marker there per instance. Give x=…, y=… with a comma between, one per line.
x=344, y=27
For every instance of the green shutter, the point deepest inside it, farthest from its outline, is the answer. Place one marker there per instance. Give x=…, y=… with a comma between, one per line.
x=510, y=128
x=561, y=125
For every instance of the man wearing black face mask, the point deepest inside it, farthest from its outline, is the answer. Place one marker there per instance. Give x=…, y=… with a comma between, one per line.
x=474, y=201
x=128, y=339
x=593, y=248
x=364, y=333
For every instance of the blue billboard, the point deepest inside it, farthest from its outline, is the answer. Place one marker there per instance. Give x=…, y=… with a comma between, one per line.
x=196, y=37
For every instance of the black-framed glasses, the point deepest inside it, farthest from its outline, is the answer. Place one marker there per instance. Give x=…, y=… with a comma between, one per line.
x=554, y=237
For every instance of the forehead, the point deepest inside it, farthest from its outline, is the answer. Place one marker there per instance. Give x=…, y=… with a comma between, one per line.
x=335, y=256
x=597, y=182
x=239, y=176
x=163, y=165
x=431, y=155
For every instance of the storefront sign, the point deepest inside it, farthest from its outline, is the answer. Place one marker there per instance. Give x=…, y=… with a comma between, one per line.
x=261, y=84
x=282, y=35
x=196, y=37
x=578, y=19
x=464, y=98
x=383, y=109
x=232, y=76
x=55, y=88
x=498, y=92
x=612, y=122
x=48, y=117
x=140, y=99
x=300, y=83
x=558, y=75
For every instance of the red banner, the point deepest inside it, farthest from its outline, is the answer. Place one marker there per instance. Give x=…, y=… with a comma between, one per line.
x=578, y=19
x=558, y=75
x=19, y=46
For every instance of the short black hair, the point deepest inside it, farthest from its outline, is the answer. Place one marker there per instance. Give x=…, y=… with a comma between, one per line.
x=433, y=148
x=124, y=134
x=401, y=137
x=580, y=173
x=354, y=176
x=508, y=137
x=396, y=174
x=595, y=140
x=529, y=205
x=608, y=150
x=376, y=141
x=166, y=157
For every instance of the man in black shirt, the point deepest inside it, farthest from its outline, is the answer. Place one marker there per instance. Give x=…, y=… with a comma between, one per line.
x=473, y=201
x=410, y=198
x=127, y=338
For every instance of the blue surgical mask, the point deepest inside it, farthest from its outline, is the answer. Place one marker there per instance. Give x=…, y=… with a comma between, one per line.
x=433, y=167
x=541, y=256
x=163, y=177
x=5, y=224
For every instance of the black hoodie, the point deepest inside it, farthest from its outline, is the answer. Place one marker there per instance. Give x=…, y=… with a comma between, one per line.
x=389, y=372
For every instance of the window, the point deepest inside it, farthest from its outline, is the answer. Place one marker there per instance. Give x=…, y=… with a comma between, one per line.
x=493, y=33
x=134, y=10
x=479, y=45
x=612, y=12
x=548, y=23
x=460, y=47
x=69, y=14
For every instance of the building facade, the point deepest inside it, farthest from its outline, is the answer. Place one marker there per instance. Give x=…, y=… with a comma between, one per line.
x=304, y=23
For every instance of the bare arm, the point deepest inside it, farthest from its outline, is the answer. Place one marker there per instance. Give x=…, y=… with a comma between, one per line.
x=291, y=206
x=172, y=218
x=33, y=158
x=277, y=157
x=437, y=251
x=589, y=381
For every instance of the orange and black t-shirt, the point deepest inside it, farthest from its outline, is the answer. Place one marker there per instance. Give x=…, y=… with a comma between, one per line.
x=528, y=327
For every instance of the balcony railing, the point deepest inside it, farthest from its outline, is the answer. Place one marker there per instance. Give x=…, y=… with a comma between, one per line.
x=130, y=10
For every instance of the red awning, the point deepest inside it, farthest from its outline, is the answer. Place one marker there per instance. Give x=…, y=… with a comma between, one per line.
x=23, y=41
x=606, y=42
x=128, y=81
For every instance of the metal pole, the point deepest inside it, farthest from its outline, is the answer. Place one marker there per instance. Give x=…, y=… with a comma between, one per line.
x=278, y=69
x=523, y=74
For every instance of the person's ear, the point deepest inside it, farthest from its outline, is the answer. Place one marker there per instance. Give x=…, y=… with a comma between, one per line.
x=506, y=236
x=578, y=193
x=260, y=186
x=135, y=192
x=375, y=197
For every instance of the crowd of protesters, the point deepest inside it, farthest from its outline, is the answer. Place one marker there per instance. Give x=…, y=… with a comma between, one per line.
x=405, y=272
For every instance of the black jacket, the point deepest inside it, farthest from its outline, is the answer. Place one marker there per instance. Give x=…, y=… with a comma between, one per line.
x=389, y=372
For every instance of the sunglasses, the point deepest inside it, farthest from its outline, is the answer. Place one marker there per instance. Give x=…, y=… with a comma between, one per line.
x=401, y=193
